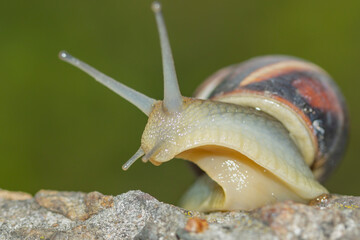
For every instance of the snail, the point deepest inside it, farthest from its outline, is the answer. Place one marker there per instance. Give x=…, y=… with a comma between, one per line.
x=265, y=130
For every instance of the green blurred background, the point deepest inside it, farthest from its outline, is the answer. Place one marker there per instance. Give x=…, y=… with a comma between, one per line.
x=59, y=129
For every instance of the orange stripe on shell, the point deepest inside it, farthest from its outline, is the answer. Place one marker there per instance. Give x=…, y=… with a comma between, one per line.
x=280, y=68
x=318, y=95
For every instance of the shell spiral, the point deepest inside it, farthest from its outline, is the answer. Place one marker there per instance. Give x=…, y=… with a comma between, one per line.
x=299, y=94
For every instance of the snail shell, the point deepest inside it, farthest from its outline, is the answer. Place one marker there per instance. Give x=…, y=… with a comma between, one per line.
x=262, y=131
x=301, y=95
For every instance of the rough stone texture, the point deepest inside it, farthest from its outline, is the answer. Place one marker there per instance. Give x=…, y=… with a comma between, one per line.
x=75, y=206
x=137, y=215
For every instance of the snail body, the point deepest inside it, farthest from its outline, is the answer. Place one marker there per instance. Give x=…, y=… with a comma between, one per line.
x=262, y=131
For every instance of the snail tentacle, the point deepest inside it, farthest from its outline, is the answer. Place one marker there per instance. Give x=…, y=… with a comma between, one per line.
x=139, y=153
x=172, y=95
x=141, y=101
x=152, y=152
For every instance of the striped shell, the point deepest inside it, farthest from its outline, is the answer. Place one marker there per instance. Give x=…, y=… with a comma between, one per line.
x=301, y=95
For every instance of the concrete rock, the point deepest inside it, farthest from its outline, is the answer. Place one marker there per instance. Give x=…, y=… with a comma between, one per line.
x=137, y=215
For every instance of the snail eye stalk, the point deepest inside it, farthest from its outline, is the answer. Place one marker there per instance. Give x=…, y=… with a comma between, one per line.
x=141, y=101
x=172, y=95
